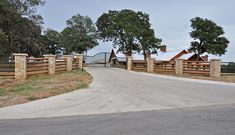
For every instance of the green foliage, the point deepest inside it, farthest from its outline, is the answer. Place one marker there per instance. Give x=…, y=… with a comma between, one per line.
x=51, y=41
x=26, y=38
x=229, y=68
x=129, y=31
x=3, y=43
x=79, y=35
x=21, y=25
x=2, y=92
x=208, y=37
x=32, y=98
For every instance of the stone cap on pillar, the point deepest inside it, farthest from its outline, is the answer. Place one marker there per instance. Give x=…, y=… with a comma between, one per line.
x=151, y=58
x=215, y=59
x=179, y=59
x=67, y=56
x=49, y=55
x=79, y=55
x=20, y=54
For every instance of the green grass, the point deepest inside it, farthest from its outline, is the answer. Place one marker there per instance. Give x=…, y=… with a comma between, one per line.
x=32, y=98
x=82, y=86
x=21, y=88
x=2, y=92
x=43, y=86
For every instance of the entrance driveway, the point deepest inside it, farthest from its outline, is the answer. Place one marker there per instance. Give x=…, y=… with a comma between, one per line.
x=117, y=90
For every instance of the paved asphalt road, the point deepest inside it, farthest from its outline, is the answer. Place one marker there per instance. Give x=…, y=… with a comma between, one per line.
x=117, y=90
x=208, y=120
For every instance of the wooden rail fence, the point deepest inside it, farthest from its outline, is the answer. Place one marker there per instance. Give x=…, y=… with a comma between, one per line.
x=75, y=62
x=196, y=68
x=7, y=69
x=139, y=65
x=28, y=67
x=162, y=67
x=200, y=68
x=60, y=65
x=37, y=66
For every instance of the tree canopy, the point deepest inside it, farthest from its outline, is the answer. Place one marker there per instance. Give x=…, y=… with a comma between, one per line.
x=80, y=34
x=208, y=37
x=51, y=41
x=129, y=30
x=21, y=26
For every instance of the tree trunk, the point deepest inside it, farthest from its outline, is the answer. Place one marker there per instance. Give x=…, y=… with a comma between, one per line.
x=145, y=55
x=10, y=49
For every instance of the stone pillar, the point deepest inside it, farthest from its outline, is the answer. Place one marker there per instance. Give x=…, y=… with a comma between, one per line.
x=215, y=68
x=51, y=64
x=179, y=66
x=150, y=65
x=80, y=60
x=69, y=62
x=129, y=63
x=20, y=66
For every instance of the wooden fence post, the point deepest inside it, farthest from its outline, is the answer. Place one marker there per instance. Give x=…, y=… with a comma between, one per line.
x=150, y=65
x=51, y=64
x=20, y=66
x=69, y=62
x=80, y=60
x=129, y=63
x=179, y=66
x=215, y=68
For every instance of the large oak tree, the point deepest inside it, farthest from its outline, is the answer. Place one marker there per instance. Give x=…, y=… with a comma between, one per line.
x=80, y=34
x=208, y=37
x=129, y=30
x=21, y=25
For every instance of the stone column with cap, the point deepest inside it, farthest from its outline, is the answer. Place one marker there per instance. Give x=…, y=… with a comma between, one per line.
x=69, y=62
x=150, y=65
x=80, y=60
x=20, y=66
x=129, y=63
x=215, y=68
x=179, y=66
x=51, y=63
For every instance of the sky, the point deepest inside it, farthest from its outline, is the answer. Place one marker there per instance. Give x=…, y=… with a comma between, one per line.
x=169, y=18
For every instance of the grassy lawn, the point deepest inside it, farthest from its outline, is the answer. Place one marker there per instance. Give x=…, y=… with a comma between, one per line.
x=15, y=92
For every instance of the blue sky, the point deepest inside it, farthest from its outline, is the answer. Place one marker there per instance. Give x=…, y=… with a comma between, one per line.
x=169, y=18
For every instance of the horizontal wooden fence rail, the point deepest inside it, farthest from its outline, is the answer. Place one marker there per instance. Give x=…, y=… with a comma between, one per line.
x=75, y=63
x=7, y=69
x=196, y=68
x=36, y=66
x=60, y=65
x=164, y=67
x=139, y=65
x=24, y=67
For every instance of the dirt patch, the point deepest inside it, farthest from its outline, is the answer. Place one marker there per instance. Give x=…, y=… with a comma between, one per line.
x=16, y=92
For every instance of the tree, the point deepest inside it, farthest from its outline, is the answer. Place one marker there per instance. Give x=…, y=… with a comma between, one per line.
x=148, y=42
x=51, y=41
x=208, y=37
x=228, y=68
x=15, y=17
x=3, y=43
x=129, y=31
x=80, y=34
x=27, y=38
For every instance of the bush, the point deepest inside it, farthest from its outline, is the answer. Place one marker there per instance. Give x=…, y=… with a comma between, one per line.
x=228, y=68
